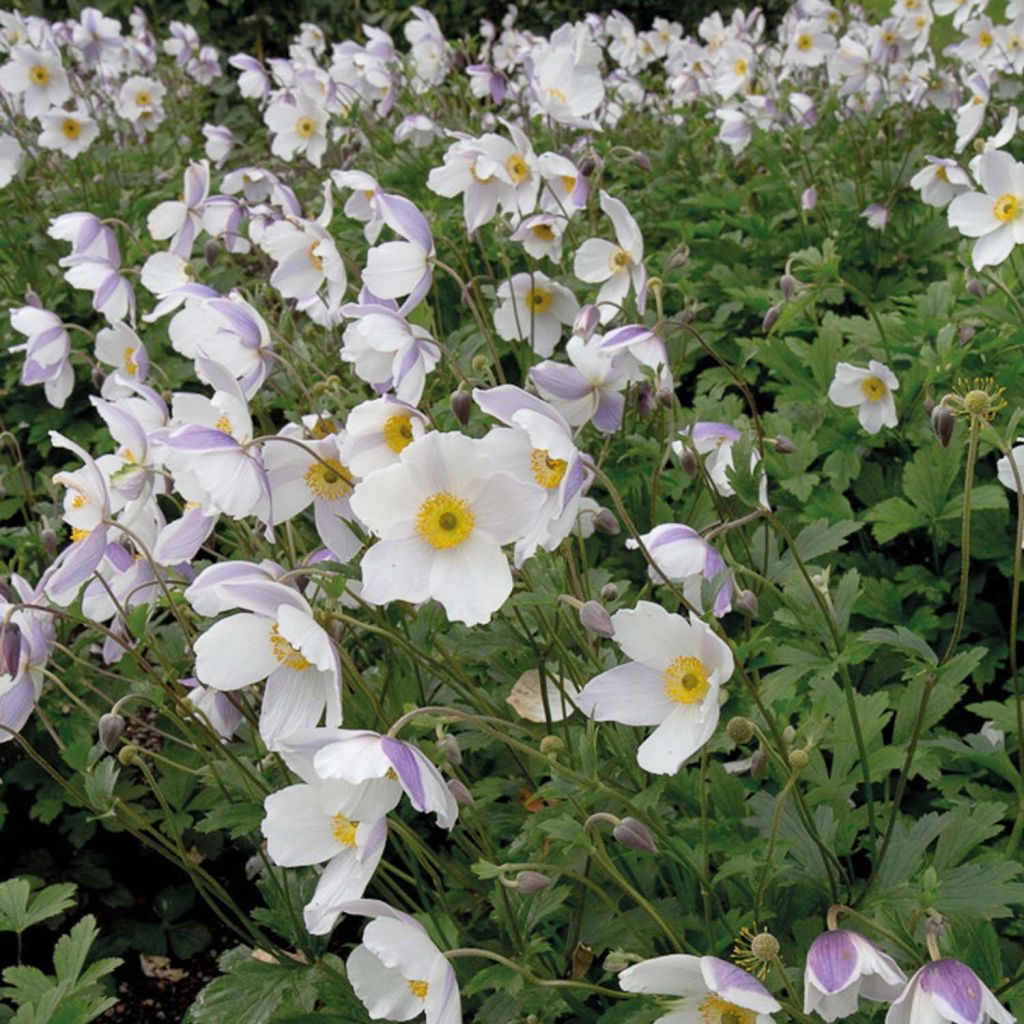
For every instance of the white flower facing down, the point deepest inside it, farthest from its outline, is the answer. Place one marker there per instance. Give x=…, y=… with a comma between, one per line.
x=336, y=823
x=994, y=217
x=870, y=390
x=397, y=972
x=442, y=514
x=708, y=990
x=672, y=682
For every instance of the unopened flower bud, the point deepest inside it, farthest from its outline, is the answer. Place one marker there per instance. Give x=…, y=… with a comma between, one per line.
x=758, y=762
x=788, y=735
x=976, y=288
x=596, y=620
x=689, y=463
x=111, y=729
x=97, y=377
x=530, y=882
x=10, y=647
x=798, y=760
x=765, y=947
x=49, y=539
x=128, y=754
x=606, y=523
x=788, y=284
x=587, y=166
x=210, y=252
x=808, y=199
x=462, y=795
x=462, y=404
x=943, y=422
x=480, y=363
x=610, y=592
x=770, y=318
x=784, y=446
x=643, y=161
x=646, y=400
x=746, y=602
x=552, y=746
x=449, y=748
x=679, y=258
x=32, y=298
x=635, y=835
x=253, y=867
x=740, y=730
x=666, y=398
x=965, y=334
x=586, y=322
x=618, y=960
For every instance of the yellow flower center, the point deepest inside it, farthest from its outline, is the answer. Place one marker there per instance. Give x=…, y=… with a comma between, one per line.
x=942, y=174
x=557, y=94
x=128, y=455
x=78, y=501
x=804, y=42
x=398, y=432
x=285, y=653
x=328, y=480
x=715, y=1010
x=517, y=169
x=70, y=128
x=889, y=37
x=873, y=389
x=418, y=988
x=1006, y=207
x=77, y=535
x=142, y=98
x=619, y=261
x=544, y=232
x=538, y=299
x=444, y=521
x=344, y=829
x=314, y=257
x=686, y=681
x=128, y=362
x=984, y=40
x=740, y=67
x=568, y=182
x=38, y=75
x=548, y=472
x=223, y=425
x=304, y=127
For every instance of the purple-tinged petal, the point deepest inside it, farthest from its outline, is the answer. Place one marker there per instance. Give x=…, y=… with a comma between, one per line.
x=560, y=381
x=736, y=985
x=832, y=961
x=955, y=989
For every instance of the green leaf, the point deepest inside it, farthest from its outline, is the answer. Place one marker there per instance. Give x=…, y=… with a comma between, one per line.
x=20, y=908
x=71, y=950
x=892, y=517
x=903, y=639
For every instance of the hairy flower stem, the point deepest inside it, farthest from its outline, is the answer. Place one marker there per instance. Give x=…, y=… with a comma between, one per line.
x=486, y=954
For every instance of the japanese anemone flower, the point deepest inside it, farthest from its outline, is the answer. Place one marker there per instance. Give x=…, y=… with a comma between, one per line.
x=672, y=682
x=708, y=989
x=994, y=217
x=442, y=514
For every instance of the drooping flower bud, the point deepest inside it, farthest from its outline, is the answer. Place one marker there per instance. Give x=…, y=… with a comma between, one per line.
x=976, y=288
x=606, y=523
x=449, y=748
x=462, y=404
x=530, y=882
x=462, y=795
x=746, y=602
x=965, y=334
x=610, y=592
x=784, y=446
x=788, y=284
x=635, y=835
x=10, y=647
x=688, y=462
x=110, y=729
x=770, y=318
x=943, y=422
x=646, y=399
x=808, y=199
x=643, y=161
x=596, y=620
x=587, y=166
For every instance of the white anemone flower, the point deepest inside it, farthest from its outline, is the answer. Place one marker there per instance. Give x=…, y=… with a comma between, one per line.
x=38, y=77
x=536, y=309
x=70, y=131
x=613, y=264
x=377, y=432
x=994, y=217
x=334, y=823
x=707, y=989
x=870, y=390
x=442, y=514
x=397, y=972
x=276, y=638
x=299, y=125
x=672, y=682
